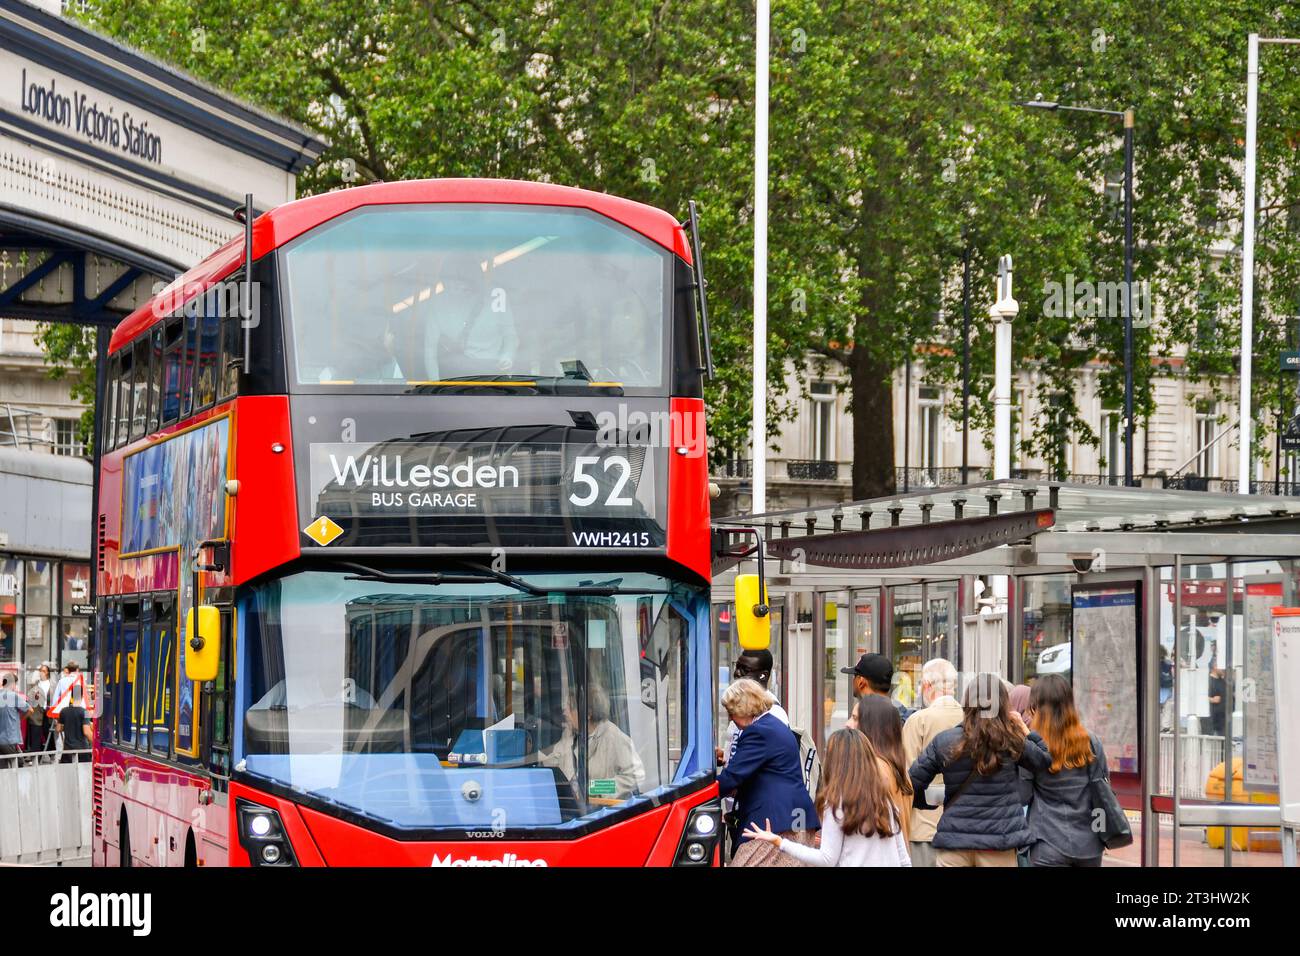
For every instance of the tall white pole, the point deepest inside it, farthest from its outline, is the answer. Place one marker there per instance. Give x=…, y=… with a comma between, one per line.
x=1002, y=401
x=1248, y=264
x=759, y=426
x=1003, y=311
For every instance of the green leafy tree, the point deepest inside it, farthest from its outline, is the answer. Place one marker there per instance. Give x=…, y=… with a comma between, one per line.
x=70, y=352
x=896, y=141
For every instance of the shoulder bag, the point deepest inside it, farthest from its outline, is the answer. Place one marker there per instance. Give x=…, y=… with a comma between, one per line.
x=1109, y=821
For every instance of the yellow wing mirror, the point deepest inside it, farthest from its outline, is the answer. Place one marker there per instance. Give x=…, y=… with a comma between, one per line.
x=752, y=626
x=202, y=643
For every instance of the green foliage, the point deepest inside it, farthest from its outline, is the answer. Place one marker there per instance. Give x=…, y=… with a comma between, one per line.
x=895, y=140
x=70, y=352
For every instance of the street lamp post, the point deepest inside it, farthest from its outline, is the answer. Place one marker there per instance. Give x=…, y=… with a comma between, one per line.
x=1127, y=117
x=965, y=354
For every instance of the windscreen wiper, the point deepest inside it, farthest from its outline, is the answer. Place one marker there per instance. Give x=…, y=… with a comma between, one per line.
x=588, y=588
x=476, y=573
x=500, y=380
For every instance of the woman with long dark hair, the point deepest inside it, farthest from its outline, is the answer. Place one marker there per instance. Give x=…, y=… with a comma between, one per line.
x=982, y=822
x=877, y=718
x=1060, y=815
x=861, y=826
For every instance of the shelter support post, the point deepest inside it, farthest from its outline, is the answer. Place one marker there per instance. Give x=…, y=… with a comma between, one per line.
x=1149, y=713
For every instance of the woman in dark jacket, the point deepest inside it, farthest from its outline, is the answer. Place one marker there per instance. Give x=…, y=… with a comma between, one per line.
x=982, y=823
x=1060, y=814
x=765, y=775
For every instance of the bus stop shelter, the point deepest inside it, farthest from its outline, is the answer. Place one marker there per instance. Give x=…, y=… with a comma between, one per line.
x=1147, y=599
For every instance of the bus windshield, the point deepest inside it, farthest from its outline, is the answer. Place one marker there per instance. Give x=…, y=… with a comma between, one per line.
x=460, y=705
x=445, y=296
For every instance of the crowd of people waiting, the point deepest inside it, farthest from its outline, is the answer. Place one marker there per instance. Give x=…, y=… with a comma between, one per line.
x=47, y=722
x=1005, y=776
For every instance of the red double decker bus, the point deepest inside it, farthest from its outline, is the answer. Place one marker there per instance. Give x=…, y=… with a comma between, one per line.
x=404, y=542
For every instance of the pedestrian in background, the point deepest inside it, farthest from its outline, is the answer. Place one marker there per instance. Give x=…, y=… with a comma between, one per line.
x=1166, y=691
x=1218, y=692
x=757, y=666
x=38, y=698
x=765, y=777
x=982, y=822
x=62, y=692
x=1060, y=814
x=75, y=725
x=1019, y=700
x=861, y=825
x=874, y=674
x=940, y=712
x=878, y=720
x=12, y=707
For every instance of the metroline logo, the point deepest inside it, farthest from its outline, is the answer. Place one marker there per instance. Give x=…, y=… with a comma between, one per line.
x=508, y=859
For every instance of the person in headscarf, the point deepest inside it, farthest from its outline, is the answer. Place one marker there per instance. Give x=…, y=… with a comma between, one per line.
x=1020, y=700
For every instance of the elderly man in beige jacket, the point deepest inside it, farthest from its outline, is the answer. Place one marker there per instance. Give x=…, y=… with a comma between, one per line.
x=941, y=712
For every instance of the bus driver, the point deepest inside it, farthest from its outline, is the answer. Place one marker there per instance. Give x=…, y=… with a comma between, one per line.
x=611, y=755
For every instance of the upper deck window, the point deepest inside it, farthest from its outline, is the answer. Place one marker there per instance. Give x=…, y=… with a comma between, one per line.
x=417, y=298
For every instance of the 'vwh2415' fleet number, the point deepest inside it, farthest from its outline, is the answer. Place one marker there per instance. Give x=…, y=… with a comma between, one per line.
x=612, y=539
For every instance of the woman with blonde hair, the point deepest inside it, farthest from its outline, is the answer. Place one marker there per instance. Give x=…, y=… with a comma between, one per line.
x=861, y=825
x=1061, y=814
x=765, y=776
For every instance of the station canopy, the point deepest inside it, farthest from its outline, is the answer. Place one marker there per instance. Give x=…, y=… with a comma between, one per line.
x=1023, y=525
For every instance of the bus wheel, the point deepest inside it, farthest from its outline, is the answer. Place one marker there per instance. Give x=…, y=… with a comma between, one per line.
x=123, y=843
x=191, y=854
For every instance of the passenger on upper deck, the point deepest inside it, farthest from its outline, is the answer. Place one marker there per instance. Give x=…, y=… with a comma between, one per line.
x=469, y=328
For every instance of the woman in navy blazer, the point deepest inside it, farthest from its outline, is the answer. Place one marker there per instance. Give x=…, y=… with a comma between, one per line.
x=765, y=776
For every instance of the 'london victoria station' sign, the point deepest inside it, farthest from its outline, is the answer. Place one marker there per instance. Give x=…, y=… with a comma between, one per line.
x=76, y=112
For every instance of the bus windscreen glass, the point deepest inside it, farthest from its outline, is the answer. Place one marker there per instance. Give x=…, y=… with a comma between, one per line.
x=430, y=297
x=458, y=705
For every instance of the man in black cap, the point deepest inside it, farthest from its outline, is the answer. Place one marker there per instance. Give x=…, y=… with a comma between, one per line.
x=874, y=674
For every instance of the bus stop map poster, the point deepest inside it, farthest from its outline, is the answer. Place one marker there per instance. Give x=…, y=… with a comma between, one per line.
x=1105, y=671
x=1256, y=696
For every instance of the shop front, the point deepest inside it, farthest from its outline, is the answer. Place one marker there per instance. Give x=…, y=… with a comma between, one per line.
x=45, y=596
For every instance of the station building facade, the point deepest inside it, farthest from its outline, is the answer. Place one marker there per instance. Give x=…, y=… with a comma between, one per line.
x=117, y=173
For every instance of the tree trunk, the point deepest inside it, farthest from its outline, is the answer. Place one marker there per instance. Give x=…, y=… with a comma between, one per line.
x=872, y=403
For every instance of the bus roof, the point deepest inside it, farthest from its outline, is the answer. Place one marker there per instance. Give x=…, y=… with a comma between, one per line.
x=278, y=226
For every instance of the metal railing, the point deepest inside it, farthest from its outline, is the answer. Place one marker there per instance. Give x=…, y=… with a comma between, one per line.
x=46, y=808
x=1201, y=753
x=10, y=416
x=914, y=478
x=918, y=479
x=1287, y=486
x=734, y=468
x=803, y=470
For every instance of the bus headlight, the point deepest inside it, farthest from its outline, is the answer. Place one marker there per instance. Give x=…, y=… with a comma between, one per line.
x=701, y=836
x=262, y=835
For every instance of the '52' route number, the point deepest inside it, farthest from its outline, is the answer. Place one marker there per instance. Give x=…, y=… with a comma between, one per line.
x=616, y=497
